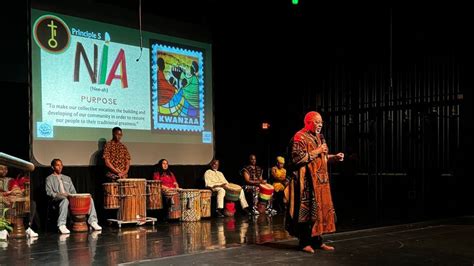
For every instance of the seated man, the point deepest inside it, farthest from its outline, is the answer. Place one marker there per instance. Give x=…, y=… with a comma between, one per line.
x=58, y=187
x=253, y=176
x=215, y=180
x=11, y=188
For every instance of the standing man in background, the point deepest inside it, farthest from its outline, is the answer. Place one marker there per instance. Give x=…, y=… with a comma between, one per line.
x=116, y=157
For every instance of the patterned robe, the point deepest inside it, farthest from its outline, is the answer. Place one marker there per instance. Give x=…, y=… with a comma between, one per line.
x=118, y=155
x=309, y=193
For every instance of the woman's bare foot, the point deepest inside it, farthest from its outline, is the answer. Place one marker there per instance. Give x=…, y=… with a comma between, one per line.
x=326, y=247
x=308, y=249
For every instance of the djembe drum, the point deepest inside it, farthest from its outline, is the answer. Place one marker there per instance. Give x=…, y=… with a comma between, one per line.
x=265, y=192
x=190, y=205
x=172, y=203
x=232, y=191
x=132, y=199
x=229, y=209
x=111, y=196
x=79, y=205
x=206, y=195
x=153, y=200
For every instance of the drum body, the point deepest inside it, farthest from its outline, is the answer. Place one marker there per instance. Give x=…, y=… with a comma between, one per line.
x=232, y=191
x=172, y=201
x=153, y=199
x=111, y=195
x=132, y=199
x=229, y=209
x=79, y=205
x=16, y=212
x=17, y=208
x=265, y=192
x=27, y=196
x=261, y=207
x=206, y=195
x=190, y=205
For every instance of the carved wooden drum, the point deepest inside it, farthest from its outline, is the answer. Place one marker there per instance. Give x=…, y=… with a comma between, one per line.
x=132, y=199
x=79, y=205
x=153, y=199
x=206, y=195
x=232, y=191
x=190, y=205
x=111, y=195
x=172, y=201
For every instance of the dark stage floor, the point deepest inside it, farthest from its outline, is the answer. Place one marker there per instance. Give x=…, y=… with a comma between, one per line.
x=238, y=240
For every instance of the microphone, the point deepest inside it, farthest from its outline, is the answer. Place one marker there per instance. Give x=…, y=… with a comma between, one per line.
x=323, y=141
x=321, y=137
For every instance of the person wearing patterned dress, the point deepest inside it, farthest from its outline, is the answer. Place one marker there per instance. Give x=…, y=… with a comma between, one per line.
x=116, y=157
x=310, y=210
x=253, y=176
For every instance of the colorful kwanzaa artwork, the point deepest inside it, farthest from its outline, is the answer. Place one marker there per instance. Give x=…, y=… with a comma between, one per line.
x=177, y=88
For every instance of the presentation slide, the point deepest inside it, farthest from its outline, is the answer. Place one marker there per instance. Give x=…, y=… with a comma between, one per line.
x=90, y=76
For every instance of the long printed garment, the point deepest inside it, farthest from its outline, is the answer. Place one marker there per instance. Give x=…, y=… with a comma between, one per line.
x=309, y=193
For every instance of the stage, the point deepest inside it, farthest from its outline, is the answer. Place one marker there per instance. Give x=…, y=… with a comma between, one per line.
x=240, y=240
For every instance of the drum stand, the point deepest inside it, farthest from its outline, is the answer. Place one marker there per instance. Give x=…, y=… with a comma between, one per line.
x=138, y=221
x=18, y=206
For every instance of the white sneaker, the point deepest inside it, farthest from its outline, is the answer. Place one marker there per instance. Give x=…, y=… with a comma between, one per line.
x=96, y=226
x=63, y=238
x=31, y=240
x=30, y=233
x=3, y=235
x=63, y=229
x=95, y=234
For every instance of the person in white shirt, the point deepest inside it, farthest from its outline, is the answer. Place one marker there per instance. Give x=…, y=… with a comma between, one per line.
x=215, y=180
x=59, y=187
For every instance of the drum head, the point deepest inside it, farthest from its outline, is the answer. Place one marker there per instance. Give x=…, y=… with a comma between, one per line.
x=233, y=186
x=267, y=186
x=81, y=195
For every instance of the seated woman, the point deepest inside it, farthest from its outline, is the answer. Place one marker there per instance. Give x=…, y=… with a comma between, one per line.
x=169, y=187
x=163, y=173
x=279, y=181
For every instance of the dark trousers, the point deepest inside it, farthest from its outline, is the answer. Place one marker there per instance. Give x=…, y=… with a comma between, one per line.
x=305, y=236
